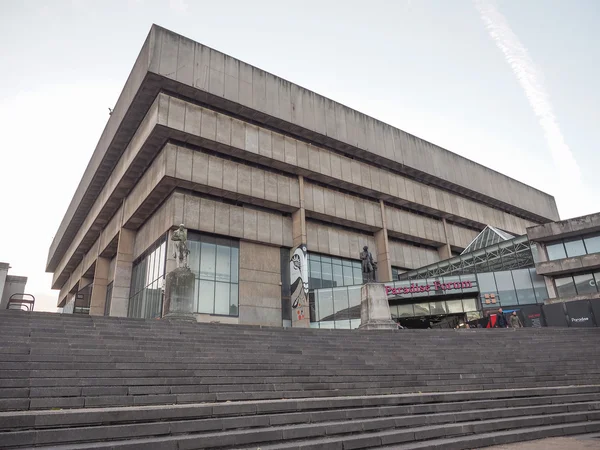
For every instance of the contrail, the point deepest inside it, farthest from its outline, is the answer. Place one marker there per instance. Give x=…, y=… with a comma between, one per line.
x=530, y=80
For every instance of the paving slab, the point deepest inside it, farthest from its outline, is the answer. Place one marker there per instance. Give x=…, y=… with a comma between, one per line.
x=570, y=443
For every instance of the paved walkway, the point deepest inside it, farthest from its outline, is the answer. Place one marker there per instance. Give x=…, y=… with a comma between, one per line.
x=553, y=444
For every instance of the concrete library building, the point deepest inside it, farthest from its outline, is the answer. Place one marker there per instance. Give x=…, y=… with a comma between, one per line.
x=280, y=189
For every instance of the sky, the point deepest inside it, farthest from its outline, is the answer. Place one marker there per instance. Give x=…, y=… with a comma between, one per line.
x=510, y=84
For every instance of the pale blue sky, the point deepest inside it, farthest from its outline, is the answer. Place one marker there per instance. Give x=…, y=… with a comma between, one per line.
x=428, y=67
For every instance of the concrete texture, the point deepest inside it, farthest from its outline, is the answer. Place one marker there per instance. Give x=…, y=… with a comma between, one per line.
x=375, y=308
x=566, y=443
x=122, y=274
x=100, y=281
x=584, y=263
x=12, y=285
x=564, y=228
x=260, y=285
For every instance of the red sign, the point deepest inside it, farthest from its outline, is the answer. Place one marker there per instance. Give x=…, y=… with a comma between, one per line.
x=436, y=286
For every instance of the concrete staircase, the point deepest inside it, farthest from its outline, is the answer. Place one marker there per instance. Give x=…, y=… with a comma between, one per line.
x=74, y=382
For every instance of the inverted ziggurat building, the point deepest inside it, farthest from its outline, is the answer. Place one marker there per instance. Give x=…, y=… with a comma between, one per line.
x=253, y=166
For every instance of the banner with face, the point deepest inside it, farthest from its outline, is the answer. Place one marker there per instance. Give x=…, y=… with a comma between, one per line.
x=299, y=283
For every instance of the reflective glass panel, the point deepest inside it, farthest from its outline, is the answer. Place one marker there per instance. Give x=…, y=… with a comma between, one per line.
x=338, y=277
x=592, y=244
x=539, y=286
x=354, y=301
x=324, y=300
x=357, y=271
x=437, y=307
x=223, y=271
x=233, y=299
x=315, y=274
x=222, y=298
x=565, y=287
x=405, y=310
x=454, y=306
x=585, y=284
x=421, y=309
x=575, y=247
x=348, y=275
x=469, y=304
x=326, y=273
x=486, y=283
x=206, y=296
x=207, y=261
x=506, y=288
x=340, y=303
x=524, y=286
x=556, y=251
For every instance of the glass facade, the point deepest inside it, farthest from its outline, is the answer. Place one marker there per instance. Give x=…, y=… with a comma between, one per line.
x=581, y=284
x=328, y=272
x=569, y=248
x=337, y=307
x=147, y=277
x=507, y=255
x=215, y=263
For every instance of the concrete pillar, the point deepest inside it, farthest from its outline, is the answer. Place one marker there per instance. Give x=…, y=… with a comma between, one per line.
x=122, y=278
x=384, y=262
x=299, y=219
x=445, y=251
x=98, y=298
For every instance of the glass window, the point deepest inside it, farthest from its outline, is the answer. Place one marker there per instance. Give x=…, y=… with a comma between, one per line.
x=585, y=284
x=592, y=244
x=486, y=283
x=215, y=263
x=405, y=310
x=325, y=272
x=208, y=253
x=421, y=309
x=575, y=248
x=539, y=286
x=147, y=274
x=340, y=303
x=469, y=304
x=469, y=278
x=556, y=251
x=223, y=271
x=338, y=277
x=108, y=299
x=506, y=288
x=565, y=287
x=524, y=286
x=454, y=306
x=354, y=300
x=324, y=301
x=438, y=307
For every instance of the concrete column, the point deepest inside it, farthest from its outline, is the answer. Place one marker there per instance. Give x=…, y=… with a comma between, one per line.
x=122, y=278
x=384, y=262
x=299, y=218
x=445, y=251
x=98, y=298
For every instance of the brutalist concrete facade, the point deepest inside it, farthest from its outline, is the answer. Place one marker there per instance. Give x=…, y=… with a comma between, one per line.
x=200, y=138
x=579, y=238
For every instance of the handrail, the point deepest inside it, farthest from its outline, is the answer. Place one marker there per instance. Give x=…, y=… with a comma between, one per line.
x=28, y=303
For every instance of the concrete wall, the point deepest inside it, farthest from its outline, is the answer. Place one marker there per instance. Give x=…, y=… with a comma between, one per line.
x=564, y=228
x=336, y=241
x=260, y=288
x=214, y=74
x=3, y=273
x=408, y=256
x=569, y=265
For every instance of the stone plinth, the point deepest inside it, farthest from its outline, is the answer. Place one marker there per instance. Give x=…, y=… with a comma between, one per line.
x=179, y=295
x=375, y=309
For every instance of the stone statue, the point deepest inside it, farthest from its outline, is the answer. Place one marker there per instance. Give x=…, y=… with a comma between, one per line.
x=368, y=265
x=181, y=249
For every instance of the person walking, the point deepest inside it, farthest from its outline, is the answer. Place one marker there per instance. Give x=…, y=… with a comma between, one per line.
x=515, y=321
x=501, y=320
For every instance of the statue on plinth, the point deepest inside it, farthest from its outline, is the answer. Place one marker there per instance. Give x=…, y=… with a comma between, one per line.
x=181, y=250
x=368, y=265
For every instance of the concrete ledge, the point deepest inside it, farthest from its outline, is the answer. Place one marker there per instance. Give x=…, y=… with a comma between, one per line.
x=569, y=265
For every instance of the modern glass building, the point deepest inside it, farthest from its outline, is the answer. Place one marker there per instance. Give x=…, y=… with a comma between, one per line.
x=448, y=293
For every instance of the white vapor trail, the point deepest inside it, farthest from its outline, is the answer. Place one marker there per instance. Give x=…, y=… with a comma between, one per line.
x=530, y=80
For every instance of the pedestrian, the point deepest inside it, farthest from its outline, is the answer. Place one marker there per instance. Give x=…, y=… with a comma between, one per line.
x=515, y=321
x=501, y=320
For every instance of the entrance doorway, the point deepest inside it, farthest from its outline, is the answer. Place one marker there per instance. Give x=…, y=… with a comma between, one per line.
x=439, y=321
